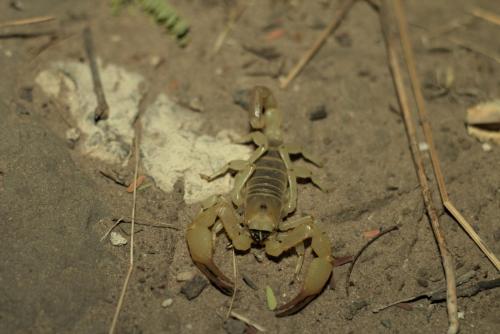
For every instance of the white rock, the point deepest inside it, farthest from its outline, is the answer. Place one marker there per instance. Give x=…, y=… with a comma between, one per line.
x=423, y=146
x=173, y=149
x=461, y=315
x=486, y=147
x=185, y=276
x=109, y=140
x=167, y=302
x=117, y=239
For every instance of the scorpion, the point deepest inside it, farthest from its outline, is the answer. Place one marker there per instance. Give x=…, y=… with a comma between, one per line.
x=265, y=190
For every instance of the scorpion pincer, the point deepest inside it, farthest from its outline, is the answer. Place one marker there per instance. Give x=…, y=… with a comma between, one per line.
x=265, y=190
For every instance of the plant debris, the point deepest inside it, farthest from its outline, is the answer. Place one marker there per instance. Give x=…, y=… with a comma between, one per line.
x=271, y=299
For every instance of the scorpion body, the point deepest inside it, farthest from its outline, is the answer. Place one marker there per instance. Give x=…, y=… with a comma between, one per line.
x=266, y=191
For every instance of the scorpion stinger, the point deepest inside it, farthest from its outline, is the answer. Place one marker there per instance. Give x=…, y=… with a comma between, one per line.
x=265, y=190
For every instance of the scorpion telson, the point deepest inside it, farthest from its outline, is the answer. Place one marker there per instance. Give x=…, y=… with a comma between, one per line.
x=265, y=189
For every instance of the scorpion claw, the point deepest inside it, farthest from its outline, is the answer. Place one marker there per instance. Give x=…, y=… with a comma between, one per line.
x=294, y=305
x=217, y=278
x=317, y=276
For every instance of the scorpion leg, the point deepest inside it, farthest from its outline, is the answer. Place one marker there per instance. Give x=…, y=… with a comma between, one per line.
x=199, y=238
x=291, y=203
x=304, y=173
x=236, y=165
x=239, y=182
x=300, y=248
x=295, y=149
x=319, y=270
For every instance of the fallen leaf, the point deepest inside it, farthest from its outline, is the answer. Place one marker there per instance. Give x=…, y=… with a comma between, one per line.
x=371, y=234
x=275, y=34
x=136, y=184
x=271, y=299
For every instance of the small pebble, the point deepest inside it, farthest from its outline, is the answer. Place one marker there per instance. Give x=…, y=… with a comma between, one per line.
x=422, y=146
x=461, y=315
x=248, y=281
x=486, y=147
x=496, y=234
x=196, y=104
x=422, y=282
x=167, y=302
x=234, y=326
x=354, y=308
x=386, y=323
x=116, y=38
x=26, y=94
x=194, y=287
x=344, y=39
x=185, y=276
x=8, y=53
x=117, y=239
x=318, y=113
x=72, y=136
x=241, y=97
x=155, y=61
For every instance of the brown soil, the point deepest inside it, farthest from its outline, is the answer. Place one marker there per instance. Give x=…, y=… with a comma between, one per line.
x=57, y=277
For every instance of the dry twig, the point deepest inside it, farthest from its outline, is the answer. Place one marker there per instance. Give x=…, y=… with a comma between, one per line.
x=424, y=119
x=129, y=221
x=235, y=280
x=428, y=294
x=351, y=267
x=23, y=22
x=131, y=263
x=247, y=321
x=390, y=41
x=485, y=15
x=339, y=14
x=102, y=109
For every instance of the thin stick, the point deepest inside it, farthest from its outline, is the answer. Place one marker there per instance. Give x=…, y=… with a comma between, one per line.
x=118, y=221
x=424, y=120
x=351, y=266
x=131, y=264
x=234, y=291
x=102, y=109
x=429, y=294
x=127, y=221
x=474, y=47
x=339, y=14
x=23, y=22
x=485, y=15
x=247, y=321
x=417, y=159
x=234, y=16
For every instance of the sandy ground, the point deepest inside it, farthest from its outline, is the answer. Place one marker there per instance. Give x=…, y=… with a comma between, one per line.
x=57, y=277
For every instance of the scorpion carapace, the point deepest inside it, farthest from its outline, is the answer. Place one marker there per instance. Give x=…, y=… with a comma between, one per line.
x=265, y=189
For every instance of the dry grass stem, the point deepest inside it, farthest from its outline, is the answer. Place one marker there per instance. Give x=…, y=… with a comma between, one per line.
x=424, y=119
x=235, y=273
x=395, y=67
x=339, y=14
x=131, y=263
x=118, y=222
x=485, y=15
x=234, y=16
x=24, y=22
x=142, y=223
x=247, y=321
x=351, y=266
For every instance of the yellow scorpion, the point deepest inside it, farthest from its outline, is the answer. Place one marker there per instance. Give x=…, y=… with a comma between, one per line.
x=266, y=191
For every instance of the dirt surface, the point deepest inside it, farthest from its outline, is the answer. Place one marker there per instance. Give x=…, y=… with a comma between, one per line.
x=57, y=277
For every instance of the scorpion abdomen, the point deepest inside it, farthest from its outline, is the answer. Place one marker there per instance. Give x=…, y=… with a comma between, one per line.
x=266, y=188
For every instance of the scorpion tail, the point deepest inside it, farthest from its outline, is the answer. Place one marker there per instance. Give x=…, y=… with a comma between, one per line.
x=262, y=99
